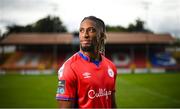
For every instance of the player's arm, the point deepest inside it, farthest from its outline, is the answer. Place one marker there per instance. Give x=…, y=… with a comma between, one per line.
x=66, y=91
x=66, y=104
x=113, y=100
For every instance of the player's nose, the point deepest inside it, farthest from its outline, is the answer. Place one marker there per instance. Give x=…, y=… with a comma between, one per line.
x=85, y=34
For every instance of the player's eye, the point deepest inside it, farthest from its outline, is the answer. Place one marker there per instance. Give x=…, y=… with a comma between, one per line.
x=81, y=30
x=92, y=30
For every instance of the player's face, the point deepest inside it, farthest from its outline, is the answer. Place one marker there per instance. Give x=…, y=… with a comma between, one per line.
x=87, y=36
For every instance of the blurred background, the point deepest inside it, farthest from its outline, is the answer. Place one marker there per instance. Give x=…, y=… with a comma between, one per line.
x=143, y=41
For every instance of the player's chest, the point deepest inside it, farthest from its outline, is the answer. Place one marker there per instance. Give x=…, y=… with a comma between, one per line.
x=94, y=77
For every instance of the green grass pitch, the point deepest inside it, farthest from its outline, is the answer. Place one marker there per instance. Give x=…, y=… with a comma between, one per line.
x=132, y=90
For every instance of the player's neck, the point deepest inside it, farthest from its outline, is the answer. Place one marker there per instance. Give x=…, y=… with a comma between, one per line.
x=92, y=55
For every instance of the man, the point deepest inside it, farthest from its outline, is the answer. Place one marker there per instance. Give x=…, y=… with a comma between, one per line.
x=87, y=79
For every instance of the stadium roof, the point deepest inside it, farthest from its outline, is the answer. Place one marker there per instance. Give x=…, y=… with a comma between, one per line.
x=38, y=38
x=138, y=38
x=67, y=38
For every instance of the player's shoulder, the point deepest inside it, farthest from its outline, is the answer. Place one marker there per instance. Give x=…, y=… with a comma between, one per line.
x=109, y=62
x=67, y=66
x=73, y=59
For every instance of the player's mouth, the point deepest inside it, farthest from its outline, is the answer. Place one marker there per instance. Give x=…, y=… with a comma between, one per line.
x=86, y=42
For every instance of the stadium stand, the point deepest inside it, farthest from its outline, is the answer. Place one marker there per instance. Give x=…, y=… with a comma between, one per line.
x=21, y=60
x=176, y=55
x=121, y=59
x=162, y=59
x=140, y=59
x=61, y=58
x=130, y=52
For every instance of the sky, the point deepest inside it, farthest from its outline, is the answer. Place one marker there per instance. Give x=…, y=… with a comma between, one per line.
x=160, y=16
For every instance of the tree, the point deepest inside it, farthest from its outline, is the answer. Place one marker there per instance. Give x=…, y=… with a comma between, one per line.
x=115, y=28
x=15, y=28
x=137, y=27
x=48, y=24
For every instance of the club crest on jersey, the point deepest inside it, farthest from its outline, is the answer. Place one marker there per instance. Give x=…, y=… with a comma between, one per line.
x=110, y=72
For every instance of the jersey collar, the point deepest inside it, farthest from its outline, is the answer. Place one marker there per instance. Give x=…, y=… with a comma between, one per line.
x=88, y=59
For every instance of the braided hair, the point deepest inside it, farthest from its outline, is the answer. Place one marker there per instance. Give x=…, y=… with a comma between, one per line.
x=101, y=33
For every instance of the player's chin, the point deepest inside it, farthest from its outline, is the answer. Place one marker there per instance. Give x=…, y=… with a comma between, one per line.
x=86, y=44
x=87, y=48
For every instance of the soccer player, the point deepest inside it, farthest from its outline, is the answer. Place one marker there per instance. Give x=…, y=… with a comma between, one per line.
x=87, y=79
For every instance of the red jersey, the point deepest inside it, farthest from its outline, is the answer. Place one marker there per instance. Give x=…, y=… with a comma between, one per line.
x=91, y=84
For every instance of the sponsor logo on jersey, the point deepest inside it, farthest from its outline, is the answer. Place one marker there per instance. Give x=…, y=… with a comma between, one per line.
x=61, y=87
x=100, y=93
x=110, y=72
x=86, y=75
x=61, y=83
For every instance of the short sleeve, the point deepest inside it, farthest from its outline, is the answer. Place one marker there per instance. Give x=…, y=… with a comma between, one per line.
x=67, y=86
x=115, y=75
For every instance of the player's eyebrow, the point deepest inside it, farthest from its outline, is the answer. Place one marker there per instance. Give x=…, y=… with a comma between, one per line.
x=87, y=28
